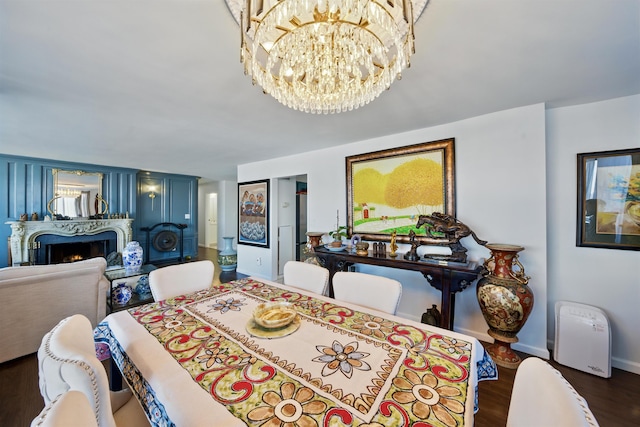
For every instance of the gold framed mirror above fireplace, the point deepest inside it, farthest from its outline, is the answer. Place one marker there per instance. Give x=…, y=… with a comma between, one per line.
x=77, y=194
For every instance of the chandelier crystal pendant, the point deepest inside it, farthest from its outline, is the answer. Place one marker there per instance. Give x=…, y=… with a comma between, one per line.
x=325, y=56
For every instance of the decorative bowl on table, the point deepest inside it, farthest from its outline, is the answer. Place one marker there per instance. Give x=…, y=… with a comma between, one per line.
x=273, y=315
x=336, y=248
x=362, y=248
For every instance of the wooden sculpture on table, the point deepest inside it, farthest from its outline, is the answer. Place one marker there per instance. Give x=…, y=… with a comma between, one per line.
x=393, y=246
x=412, y=255
x=445, y=230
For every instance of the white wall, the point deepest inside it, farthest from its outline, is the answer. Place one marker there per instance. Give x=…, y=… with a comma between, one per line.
x=500, y=194
x=606, y=278
x=502, y=163
x=204, y=189
x=227, y=211
x=286, y=222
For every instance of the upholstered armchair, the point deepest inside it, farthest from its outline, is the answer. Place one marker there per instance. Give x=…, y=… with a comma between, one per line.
x=306, y=276
x=67, y=361
x=180, y=279
x=35, y=298
x=70, y=409
x=368, y=290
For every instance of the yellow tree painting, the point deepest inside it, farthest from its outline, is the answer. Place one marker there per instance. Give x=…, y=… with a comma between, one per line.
x=387, y=190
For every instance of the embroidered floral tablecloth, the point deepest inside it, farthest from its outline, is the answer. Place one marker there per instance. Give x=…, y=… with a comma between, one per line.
x=342, y=367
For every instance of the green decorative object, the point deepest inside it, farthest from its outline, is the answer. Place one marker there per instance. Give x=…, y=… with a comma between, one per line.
x=228, y=257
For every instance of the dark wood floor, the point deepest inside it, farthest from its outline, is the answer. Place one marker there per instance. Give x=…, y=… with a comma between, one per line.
x=615, y=401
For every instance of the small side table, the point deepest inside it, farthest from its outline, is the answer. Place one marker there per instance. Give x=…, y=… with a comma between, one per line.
x=120, y=275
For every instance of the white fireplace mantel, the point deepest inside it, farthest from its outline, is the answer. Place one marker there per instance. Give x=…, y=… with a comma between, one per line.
x=24, y=233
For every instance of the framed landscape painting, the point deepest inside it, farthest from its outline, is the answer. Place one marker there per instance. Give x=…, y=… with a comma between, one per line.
x=387, y=190
x=609, y=199
x=253, y=213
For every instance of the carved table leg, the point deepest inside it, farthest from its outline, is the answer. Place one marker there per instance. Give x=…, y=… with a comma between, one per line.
x=333, y=265
x=448, y=303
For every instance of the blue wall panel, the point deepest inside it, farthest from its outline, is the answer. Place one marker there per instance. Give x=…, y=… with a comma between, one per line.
x=26, y=186
x=176, y=195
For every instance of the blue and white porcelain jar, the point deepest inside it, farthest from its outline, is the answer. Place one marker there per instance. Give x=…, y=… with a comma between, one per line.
x=142, y=286
x=121, y=294
x=132, y=256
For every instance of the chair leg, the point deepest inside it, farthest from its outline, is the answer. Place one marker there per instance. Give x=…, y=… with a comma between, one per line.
x=115, y=376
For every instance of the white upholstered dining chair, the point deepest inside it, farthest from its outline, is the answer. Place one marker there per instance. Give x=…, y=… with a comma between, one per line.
x=180, y=279
x=70, y=409
x=67, y=361
x=306, y=276
x=368, y=290
x=541, y=396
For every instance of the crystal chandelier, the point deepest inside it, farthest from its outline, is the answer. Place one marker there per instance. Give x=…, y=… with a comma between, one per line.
x=325, y=56
x=68, y=192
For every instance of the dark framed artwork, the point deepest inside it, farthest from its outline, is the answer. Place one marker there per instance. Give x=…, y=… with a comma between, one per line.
x=253, y=213
x=388, y=189
x=609, y=199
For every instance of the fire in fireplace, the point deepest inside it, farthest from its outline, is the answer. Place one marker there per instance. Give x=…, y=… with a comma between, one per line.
x=72, y=252
x=60, y=249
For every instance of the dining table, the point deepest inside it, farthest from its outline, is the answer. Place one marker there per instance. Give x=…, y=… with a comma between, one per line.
x=201, y=360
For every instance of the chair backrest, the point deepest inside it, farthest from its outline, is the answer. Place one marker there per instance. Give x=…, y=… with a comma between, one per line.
x=306, y=276
x=180, y=279
x=70, y=409
x=377, y=292
x=541, y=396
x=67, y=361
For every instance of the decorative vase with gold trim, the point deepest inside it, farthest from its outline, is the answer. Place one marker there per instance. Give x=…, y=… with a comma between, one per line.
x=505, y=301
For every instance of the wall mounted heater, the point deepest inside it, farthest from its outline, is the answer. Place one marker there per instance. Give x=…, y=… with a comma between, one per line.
x=583, y=338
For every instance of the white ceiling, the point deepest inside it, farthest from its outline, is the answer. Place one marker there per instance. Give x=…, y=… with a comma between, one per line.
x=157, y=84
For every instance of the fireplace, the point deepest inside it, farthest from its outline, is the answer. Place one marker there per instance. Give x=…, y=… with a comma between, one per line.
x=39, y=242
x=72, y=252
x=53, y=249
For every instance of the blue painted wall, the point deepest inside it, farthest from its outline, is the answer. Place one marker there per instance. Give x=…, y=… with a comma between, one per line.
x=26, y=186
x=176, y=202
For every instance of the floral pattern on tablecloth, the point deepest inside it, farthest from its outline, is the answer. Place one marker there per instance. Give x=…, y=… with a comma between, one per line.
x=423, y=382
x=213, y=337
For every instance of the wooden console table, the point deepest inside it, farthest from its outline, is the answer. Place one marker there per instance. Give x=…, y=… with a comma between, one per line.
x=448, y=279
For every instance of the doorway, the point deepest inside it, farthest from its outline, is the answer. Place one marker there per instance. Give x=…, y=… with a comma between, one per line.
x=292, y=219
x=211, y=213
x=301, y=217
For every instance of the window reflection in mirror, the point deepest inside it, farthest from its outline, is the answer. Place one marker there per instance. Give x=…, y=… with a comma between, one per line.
x=76, y=193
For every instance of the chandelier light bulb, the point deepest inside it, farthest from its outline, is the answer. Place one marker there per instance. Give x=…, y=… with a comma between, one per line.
x=325, y=56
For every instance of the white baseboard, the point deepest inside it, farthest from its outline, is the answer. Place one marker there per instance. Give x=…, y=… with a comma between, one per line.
x=616, y=362
x=626, y=365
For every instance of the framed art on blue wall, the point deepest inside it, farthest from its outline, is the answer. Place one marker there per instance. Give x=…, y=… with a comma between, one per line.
x=609, y=199
x=253, y=213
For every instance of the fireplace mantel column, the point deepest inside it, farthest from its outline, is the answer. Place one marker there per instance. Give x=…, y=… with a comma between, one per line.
x=18, y=253
x=24, y=233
